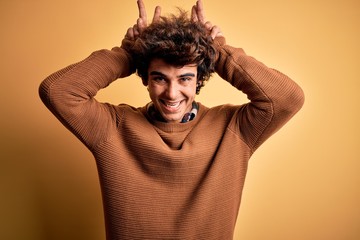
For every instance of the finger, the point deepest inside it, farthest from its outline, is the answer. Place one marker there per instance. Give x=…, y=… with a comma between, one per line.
x=200, y=11
x=140, y=25
x=130, y=34
x=194, y=17
x=136, y=30
x=215, y=32
x=208, y=25
x=142, y=11
x=157, y=14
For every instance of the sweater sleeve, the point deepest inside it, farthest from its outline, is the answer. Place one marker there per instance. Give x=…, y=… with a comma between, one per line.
x=69, y=93
x=274, y=97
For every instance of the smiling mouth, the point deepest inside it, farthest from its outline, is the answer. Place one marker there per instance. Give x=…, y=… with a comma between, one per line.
x=171, y=105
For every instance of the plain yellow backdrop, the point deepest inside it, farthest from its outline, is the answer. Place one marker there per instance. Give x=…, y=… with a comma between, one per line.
x=303, y=183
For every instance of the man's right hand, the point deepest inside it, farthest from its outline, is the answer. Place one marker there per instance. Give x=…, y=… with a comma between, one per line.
x=141, y=23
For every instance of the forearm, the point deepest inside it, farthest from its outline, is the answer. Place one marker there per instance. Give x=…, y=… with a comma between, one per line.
x=81, y=81
x=259, y=82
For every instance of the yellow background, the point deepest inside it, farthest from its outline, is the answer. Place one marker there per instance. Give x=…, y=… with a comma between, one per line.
x=304, y=183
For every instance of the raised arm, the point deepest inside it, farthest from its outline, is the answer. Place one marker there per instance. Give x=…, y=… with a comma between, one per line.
x=69, y=93
x=274, y=97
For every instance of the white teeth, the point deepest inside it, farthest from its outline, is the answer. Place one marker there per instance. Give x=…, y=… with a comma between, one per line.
x=176, y=104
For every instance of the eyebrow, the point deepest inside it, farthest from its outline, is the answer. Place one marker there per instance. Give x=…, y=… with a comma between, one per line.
x=152, y=73
x=156, y=73
x=187, y=75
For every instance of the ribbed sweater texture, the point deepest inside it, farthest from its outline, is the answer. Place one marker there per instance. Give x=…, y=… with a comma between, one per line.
x=171, y=180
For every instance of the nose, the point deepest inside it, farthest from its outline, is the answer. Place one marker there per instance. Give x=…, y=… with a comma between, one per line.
x=172, y=90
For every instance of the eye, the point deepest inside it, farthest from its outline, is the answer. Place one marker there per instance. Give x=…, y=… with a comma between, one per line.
x=161, y=80
x=184, y=79
x=158, y=78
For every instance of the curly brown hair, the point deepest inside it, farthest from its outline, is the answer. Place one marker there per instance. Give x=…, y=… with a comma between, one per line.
x=178, y=41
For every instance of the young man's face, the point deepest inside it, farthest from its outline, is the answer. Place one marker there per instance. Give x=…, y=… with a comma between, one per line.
x=172, y=89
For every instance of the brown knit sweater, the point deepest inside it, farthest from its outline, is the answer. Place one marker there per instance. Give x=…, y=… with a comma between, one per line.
x=163, y=180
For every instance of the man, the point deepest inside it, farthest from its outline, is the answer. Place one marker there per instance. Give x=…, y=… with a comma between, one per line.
x=173, y=169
